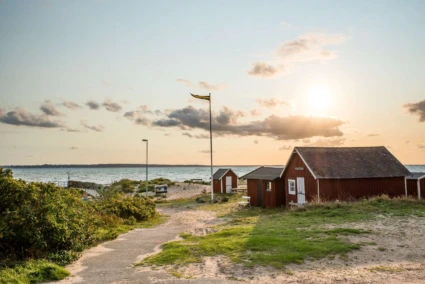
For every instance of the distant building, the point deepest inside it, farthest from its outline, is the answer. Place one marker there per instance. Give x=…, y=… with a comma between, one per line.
x=416, y=185
x=225, y=180
x=265, y=187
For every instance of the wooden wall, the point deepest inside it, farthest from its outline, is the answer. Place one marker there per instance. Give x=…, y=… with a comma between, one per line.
x=412, y=187
x=217, y=183
x=271, y=199
x=345, y=189
x=291, y=172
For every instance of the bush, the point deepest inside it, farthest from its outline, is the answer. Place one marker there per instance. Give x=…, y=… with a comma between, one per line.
x=33, y=272
x=123, y=206
x=82, y=184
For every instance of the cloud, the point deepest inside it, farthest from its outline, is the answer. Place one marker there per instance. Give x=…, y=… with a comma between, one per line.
x=167, y=134
x=373, y=134
x=98, y=128
x=255, y=141
x=71, y=105
x=48, y=108
x=93, y=105
x=264, y=70
x=112, y=106
x=307, y=47
x=205, y=151
x=417, y=109
x=73, y=148
x=201, y=85
x=196, y=136
x=186, y=82
x=137, y=117
x=306, y=141
x=145, y=109
x=407, y=142
x=285, y=148
x=421, y=146
x=271, y=103
x=327, y=142
x=285, y=25
x=255, y=112
x=226, y=123
x=70, y=130
x=20, y=116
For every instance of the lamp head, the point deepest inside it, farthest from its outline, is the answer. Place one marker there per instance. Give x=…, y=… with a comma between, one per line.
x=145, y=140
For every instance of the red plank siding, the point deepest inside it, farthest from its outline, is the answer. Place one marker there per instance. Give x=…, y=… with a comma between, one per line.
x=271, y=199
x=345, y=189
x=412, y=187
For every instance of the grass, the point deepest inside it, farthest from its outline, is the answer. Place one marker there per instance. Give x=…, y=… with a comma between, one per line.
x=275, y=237
x=34, y=271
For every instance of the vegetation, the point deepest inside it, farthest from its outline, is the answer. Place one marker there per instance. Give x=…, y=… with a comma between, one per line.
x=84, y=185
x=42, y=221
x=196, y=181
x=33, y=271
x=275, y=237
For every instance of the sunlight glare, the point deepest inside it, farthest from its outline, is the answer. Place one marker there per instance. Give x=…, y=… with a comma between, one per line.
x=319, y=98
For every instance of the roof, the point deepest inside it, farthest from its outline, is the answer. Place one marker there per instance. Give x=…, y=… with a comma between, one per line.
x=416, y=176
x=351, y=162
x=219, y=174
x=264, y=173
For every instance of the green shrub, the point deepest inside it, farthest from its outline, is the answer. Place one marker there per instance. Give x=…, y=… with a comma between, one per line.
x=123, y=206
x=32, y=272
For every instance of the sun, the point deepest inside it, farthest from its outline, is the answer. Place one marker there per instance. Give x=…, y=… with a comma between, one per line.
x=319, y=98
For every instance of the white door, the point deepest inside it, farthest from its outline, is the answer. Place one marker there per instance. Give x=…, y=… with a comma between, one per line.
x=300, y=190
x=228, y=184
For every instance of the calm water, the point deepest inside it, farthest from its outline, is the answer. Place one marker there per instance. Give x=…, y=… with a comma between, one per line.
x=107, y=175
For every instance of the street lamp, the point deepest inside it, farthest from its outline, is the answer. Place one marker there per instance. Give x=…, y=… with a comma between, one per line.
x=147, y=142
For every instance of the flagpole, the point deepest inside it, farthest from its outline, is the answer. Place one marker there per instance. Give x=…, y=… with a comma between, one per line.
x=211, y=153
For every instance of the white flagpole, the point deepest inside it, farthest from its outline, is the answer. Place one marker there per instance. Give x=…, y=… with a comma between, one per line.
x=211, y=152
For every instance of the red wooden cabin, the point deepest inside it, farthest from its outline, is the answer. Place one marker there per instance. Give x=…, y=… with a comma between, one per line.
x=225, y=180
x=342, y=173
x=416, y=185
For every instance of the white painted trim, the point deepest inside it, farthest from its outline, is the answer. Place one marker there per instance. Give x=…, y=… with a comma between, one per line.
x=295, y=187
x=405, y=186
x=318, y=190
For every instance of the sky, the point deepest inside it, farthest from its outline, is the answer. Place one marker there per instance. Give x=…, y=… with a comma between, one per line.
x=84, y=81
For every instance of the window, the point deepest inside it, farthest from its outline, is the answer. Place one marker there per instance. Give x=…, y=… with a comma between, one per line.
x=291, y=186
x=268, y=186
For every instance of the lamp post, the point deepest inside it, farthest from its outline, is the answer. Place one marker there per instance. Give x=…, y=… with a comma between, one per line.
x=147, y=142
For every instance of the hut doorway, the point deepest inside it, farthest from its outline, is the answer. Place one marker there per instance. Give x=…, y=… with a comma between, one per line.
x=229, y=185
x=300, y=190
x=260, y=193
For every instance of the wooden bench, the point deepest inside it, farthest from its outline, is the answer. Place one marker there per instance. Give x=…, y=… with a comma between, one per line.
x=246, y=200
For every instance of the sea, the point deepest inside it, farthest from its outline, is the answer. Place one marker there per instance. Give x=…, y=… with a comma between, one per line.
x=108, y=175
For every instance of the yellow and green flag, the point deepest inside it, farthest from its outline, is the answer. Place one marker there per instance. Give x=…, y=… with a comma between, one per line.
x=201, y=97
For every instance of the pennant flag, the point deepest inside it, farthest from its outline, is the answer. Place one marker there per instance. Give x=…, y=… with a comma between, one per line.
x=201, y=97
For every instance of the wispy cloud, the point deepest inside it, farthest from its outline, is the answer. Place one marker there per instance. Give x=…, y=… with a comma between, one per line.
x=73, y=148
x=48, y=108
x=93, y=105
x=285, y=148
x=373, y=134
x=333, y=142
x=271, y=103
x=201, y=85
x=226, y=123
x=71, y=105
x=417, y=109
x=112, y=106
x=21, y=117
x=138, y=117
x=196, y=136
x=97, y=128
x=307, y=47
x=255, y=141
x=421, y=146
x=255, y=112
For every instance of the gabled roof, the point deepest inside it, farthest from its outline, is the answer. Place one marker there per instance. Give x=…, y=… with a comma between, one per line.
x=264, y=173
x=416, y=176
x=220, y=173
x=351, y=162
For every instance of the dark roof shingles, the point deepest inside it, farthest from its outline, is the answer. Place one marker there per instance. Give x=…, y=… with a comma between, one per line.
x=264, y=173
x=352, y=162
x=220, y=173
x=416, y=175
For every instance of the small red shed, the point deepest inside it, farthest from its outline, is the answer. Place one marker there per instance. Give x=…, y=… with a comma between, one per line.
x=416, y=185
x=342, y=173
x=225, y=180
x=266, y=187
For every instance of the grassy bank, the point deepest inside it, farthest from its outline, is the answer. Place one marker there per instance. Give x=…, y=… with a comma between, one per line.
x=275, y=237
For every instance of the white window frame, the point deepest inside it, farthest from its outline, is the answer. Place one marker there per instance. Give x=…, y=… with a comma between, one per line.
x=293, y=192
x=268, y=186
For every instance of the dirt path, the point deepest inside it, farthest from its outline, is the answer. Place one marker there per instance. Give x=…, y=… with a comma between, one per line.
x=112, y=262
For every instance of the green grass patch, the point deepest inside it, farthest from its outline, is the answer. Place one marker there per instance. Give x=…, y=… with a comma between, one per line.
x=33, y=271
x=388, y=269
x=275, y=237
